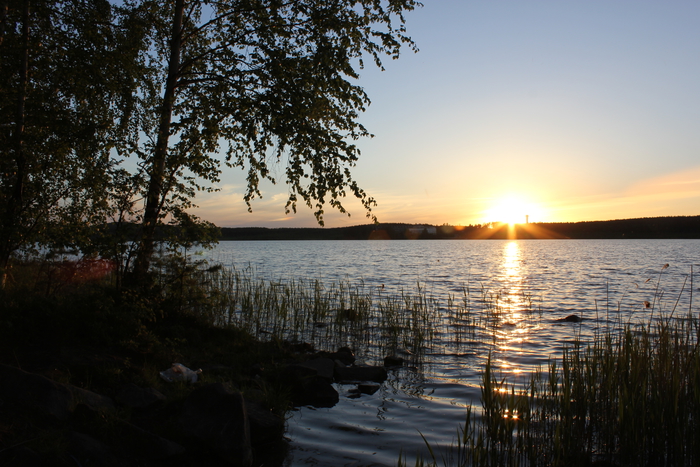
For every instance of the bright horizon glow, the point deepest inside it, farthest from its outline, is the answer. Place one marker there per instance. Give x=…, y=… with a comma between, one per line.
x=513, y=209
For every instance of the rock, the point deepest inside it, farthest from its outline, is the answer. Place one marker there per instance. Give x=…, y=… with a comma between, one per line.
x=393, y=360
x=135, y=397
x=361, y=373
x=265, y=427
x=296, y=371
x=368, y=388
x=317, y=392
x=343, y=354
x=571, y=319
x=147, y=445
x=126, y=437
x=21, y=456
x=304, y=347
x=217, y=418
x=308, y=388
x=37, y=393
x=323, y=366
x=89, y=451
x=339, y=363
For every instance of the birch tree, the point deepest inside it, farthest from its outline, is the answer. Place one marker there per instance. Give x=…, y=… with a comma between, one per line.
x=64, y=104
x=257, y=84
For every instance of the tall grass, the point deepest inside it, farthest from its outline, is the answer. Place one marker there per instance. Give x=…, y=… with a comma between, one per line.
x=369, y=318
x=339, y=313
x=627, y=398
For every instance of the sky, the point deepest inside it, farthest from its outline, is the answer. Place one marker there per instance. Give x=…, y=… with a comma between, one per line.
x=562, y=111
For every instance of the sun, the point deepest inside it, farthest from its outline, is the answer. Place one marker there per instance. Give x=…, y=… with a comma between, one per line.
x=511, y=209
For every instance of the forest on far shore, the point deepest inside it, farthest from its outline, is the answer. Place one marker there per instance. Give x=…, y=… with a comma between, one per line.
x=678, y=227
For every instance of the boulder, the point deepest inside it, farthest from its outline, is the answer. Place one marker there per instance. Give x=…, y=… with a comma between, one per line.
x=37, y=393
x=217, y=418
x=308, y=388
x=265, y=427
x=571, y=319
x=125, y=437
x=21, y=456
x=179, y=372
x=393, y=360
x=323, y=367
x=134, y=397
x=363, y=388
x=343, y=354
x=317, y=392
x=350, y=374
x=146, y=445
x=368, y=388
x=89, y=451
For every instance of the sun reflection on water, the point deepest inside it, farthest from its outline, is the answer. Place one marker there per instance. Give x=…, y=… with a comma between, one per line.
x=511, y=261
x=513, y=333
x=512, y=287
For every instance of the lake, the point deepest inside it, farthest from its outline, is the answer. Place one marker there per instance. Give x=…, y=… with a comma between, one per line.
x=514, y=293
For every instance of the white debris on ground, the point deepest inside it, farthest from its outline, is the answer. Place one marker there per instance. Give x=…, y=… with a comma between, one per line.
x=179, y=372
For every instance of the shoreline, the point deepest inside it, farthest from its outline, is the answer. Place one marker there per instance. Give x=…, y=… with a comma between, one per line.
x=667, y=228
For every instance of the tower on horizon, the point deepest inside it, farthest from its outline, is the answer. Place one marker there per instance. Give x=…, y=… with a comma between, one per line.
x=527, y=219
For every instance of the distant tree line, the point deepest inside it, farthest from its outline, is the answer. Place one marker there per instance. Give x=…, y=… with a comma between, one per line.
x=118, y=113
x=642, y=228
x=648, y=227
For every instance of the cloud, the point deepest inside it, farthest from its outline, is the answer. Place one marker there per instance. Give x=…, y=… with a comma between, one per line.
x=672, y=194
x=676, y=185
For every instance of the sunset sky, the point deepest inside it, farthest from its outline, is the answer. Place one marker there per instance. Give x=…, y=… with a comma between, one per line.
x=563, y=111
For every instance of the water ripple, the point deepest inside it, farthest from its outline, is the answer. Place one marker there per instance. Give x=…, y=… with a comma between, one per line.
x=516, y=292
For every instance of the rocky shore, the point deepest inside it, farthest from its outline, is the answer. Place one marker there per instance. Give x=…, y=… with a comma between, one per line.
x=209, y=422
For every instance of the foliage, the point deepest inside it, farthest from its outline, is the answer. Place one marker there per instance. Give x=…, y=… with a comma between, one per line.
x=108, y=106
x=64, y=106
x=265, y=82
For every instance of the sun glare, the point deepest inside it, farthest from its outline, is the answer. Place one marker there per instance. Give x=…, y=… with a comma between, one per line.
x=512, y=209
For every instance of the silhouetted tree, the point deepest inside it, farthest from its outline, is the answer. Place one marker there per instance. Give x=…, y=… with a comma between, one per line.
x=261, y=82
x=64, y=104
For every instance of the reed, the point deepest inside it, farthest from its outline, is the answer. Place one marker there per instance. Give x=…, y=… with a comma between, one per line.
x=339, y=313
x=626, y=398
x=630, y=395
x=370, y=319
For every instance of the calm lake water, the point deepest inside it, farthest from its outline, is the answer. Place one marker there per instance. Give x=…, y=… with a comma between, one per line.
x=526, y=284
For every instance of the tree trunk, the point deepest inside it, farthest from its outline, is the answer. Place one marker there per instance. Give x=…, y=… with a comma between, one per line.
x=9, y=233
x=3, y=19
x=160, y=154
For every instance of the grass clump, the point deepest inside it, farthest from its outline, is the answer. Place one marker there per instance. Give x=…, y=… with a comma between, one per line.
x=363, y=317
x=630, y=398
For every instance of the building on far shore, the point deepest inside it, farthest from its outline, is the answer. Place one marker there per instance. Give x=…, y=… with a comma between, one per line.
x=418, y=230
